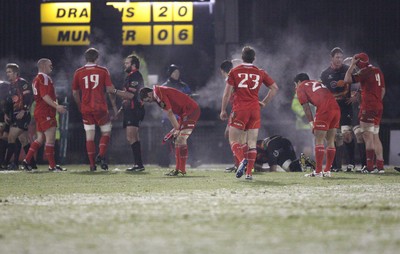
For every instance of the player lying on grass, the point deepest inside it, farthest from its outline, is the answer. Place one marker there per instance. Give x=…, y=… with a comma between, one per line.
x=277, y=150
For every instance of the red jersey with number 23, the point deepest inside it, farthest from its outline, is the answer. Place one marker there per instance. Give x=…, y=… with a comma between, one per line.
x=43, y=85
x=317, y=94
x=92, y=79
x=246, y=80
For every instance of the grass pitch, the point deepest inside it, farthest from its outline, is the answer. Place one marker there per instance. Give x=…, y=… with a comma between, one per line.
x=207, y=211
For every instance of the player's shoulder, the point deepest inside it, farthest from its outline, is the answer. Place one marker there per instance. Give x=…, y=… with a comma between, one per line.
x=326, y=72
x=102, y=68
x=22, y=81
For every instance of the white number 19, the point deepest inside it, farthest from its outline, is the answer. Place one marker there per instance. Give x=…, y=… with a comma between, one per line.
x=94, y=78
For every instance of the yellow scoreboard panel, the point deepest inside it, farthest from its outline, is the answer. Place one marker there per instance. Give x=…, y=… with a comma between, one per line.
x=144, y=23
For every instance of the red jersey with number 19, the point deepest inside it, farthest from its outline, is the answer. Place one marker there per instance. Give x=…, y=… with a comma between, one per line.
x=246, y=80
x=317, y=94
x=43, y=85
x=92, y=79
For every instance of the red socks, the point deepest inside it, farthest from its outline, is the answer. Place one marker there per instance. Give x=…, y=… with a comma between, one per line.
x=370, y=159
x=379, y=164
x=49, y=151
x=251, y=159
x=91, y=150
x=319, y=157
x=181, y=154
x=104, y=140
x=330, y=156
x=237, y=150
x=32, y=150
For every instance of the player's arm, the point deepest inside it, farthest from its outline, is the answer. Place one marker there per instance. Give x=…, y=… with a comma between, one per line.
x=273, y=90
x=172, y=119
x=77, y=98
x=60, y=108
x=27, y=99
x=309, y=115
x=122, y=94
x=348, y=78
x=113, y=99
x=225, y=100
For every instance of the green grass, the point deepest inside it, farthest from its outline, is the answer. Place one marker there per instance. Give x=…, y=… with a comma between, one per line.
x=207, y=211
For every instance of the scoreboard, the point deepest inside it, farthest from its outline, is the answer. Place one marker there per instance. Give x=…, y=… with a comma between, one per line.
x=143, y=23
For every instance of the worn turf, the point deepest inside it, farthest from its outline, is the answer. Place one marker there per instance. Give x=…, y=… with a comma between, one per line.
x=206, y=211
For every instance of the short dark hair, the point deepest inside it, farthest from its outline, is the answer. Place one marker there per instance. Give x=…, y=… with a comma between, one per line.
x=226, y=66
x=14, y=67
x=301, y=77
x=134, y=60
x=143, y=93
x=248, y=54
x=91, y=54
x=335, y=51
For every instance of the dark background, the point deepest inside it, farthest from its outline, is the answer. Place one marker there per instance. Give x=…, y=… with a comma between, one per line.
x=290, y=36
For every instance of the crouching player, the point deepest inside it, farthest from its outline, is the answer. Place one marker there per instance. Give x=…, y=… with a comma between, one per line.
x=277, y=150
x=174, y=103
x=326, y=120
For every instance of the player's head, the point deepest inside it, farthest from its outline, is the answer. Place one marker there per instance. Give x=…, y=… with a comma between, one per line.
x=337, y=57
x=91, y=55
x=363, y=60
x=12, y=71
x=146, y=94
x=131, y=62
x=300, y=78
x=248, y=54
x=260, y=145
x=226, y=66
x=44, y=65
x=173, y=71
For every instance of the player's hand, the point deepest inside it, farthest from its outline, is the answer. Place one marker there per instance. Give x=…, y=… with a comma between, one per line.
x=223, y=115
x=352, y=99
x=132, y=90
x=176, y=133
x=6, y=119
x=20, y=114
x=61, y=109
x=354, y=60
x=262, y=104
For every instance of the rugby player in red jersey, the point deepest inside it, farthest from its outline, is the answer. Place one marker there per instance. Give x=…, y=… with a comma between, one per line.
x=174, y=103
x=324, y=124
x=89, y=85
x=372, y=92
x=244, y=82
x=45, y=115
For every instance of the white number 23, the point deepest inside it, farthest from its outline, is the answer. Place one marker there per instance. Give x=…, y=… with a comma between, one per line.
x=245, y=76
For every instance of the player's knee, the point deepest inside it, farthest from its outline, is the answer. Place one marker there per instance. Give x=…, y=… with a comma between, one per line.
x=106, y=127
x=376, y=129
x=339, y=139
x=368, y=129
x=181, y=140
x=89, y=127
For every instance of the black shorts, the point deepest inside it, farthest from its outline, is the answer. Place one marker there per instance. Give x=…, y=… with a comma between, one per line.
x=346, y=114
x=21, y=123
x=133, y=117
